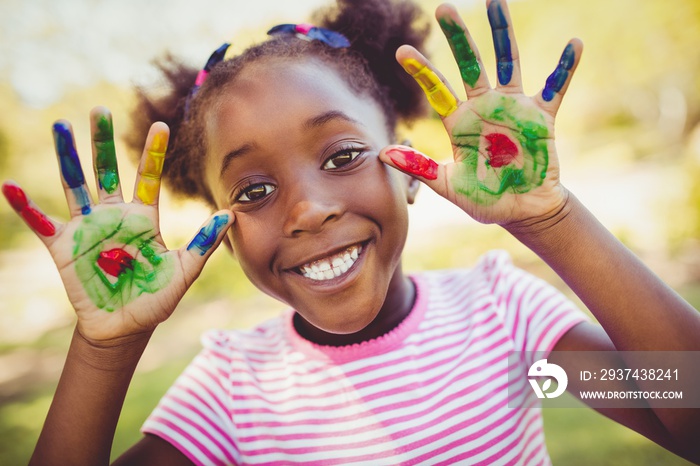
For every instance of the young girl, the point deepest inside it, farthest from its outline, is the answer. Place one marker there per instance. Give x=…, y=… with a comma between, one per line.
x=293, y=141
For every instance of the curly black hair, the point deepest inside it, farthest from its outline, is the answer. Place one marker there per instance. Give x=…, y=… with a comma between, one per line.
x=375, y=29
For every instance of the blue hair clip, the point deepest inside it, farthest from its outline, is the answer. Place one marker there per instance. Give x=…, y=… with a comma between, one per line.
x=215, y=58
x=310, y=32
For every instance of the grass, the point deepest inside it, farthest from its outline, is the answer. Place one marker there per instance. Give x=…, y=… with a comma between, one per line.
x=581, y=436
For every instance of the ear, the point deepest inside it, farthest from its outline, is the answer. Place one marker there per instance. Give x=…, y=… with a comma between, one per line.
x=229, y=245
x=413, y=183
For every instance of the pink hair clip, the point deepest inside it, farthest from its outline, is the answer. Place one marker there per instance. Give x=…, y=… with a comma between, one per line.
x=214, y=59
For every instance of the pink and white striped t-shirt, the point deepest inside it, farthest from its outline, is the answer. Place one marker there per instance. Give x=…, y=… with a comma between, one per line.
x=432, y=391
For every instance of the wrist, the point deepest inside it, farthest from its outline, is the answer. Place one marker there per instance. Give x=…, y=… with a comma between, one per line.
x=546, y=222
x=110, y=355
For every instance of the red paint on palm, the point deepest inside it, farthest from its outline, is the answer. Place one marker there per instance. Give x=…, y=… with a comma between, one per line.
x=503, y=151
x=115, y=261
x=414, y=163
x=36, y=220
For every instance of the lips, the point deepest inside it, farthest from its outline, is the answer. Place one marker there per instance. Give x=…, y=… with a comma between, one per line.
x=331, y=266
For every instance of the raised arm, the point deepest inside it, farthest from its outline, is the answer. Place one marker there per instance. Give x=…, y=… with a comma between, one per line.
x=506, y=171
x=120, y=278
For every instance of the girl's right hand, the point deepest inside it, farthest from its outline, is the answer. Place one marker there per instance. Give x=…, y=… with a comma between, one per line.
x=118, y=273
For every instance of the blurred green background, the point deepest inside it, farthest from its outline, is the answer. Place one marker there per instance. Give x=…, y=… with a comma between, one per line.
x=628, y=135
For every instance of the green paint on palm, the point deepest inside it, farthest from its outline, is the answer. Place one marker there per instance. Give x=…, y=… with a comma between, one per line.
x=476, y=178
x=105, y=230
x=105, y=155
x=465, y=56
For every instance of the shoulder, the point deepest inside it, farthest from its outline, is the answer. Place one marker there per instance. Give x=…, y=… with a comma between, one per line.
x=494, y=292
x=491, y=270
x=477, y=292
x=266, y=336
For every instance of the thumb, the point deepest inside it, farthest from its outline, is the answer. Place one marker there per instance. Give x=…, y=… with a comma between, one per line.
x=199, y=249
x=417, y=165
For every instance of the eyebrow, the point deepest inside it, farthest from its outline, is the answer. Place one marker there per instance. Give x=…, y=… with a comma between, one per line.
x=228, y=158
x=328, y=117
x=311, y=123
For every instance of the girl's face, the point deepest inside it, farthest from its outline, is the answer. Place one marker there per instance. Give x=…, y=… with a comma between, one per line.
x=320, y=221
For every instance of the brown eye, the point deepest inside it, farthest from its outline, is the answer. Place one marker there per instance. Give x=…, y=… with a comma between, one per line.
x=255, y=192
x=341, y=159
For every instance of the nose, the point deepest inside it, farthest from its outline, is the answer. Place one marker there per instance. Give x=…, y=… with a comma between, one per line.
x=311, y=213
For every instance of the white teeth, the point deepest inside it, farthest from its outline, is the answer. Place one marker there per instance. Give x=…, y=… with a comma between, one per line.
x=333, y=266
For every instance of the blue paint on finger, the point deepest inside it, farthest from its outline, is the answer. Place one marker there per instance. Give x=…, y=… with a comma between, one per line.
x=556, y=80
x=501, y=42
x=68, y=156
x=70, y=165
x=207, y=236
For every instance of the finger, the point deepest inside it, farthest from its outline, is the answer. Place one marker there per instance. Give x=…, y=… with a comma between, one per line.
x=40, y=224
x=417, y=165
x=211, y=233
x=553, y=92
x=205, y=242
x=464, y=50
x=147, y=187
x=436, y=89
x=507, y=58
x=77, y=194
x=104, y=156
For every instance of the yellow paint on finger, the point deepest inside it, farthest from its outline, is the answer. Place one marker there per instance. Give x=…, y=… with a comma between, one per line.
x=439, y=95
x=149, y=181
x=147, y=190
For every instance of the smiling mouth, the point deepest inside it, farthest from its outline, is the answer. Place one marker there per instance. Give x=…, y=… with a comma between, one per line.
x=332, y=266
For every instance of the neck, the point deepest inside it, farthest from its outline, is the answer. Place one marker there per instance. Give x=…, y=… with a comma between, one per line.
x=398, y=303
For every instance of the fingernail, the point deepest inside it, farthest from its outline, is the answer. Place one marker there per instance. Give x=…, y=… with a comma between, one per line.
x=413, y=162
x=159, y=144
x=411, y=65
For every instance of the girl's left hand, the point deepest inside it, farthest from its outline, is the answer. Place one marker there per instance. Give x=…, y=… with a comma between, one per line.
x=505, y=167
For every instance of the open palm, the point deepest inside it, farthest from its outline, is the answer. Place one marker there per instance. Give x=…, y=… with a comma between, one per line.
x=505, y=166
x=118, y=274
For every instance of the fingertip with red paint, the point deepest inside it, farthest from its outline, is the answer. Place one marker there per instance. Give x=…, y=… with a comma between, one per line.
x=20, y=203
x=413, y=162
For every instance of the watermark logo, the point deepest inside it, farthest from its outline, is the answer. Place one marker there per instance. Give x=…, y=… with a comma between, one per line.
x=604, y=379
x=542, y=368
